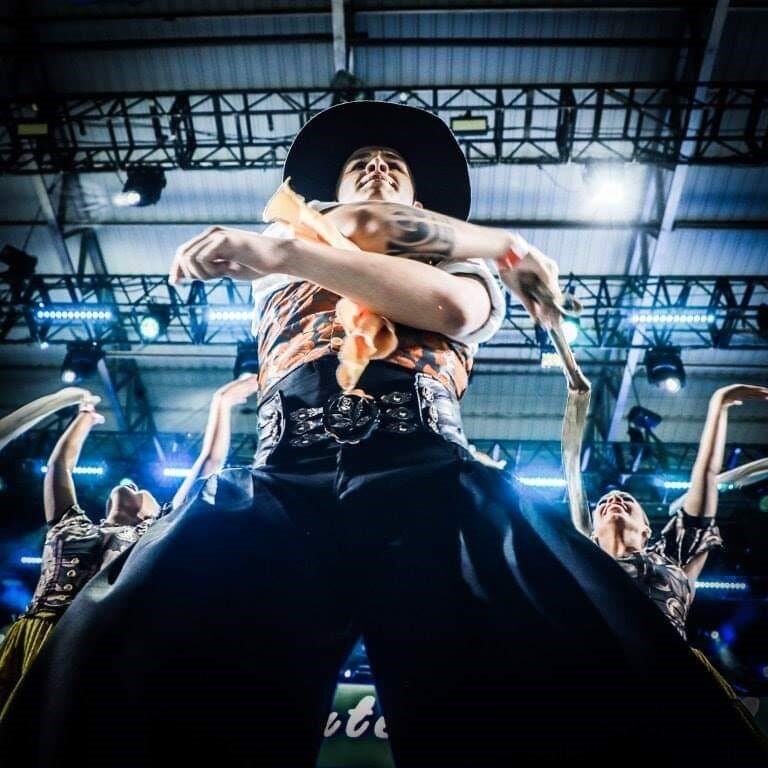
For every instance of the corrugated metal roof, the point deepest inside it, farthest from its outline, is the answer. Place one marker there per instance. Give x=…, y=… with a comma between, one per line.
x=306, y=65
x=487, y=64
x=742, y=47
x=714, y=252
x=724, y=193
x=548, y=192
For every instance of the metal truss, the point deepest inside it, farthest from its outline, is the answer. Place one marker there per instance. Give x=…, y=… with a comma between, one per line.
x=639, y=467
x=732, y=305
x=538, y=124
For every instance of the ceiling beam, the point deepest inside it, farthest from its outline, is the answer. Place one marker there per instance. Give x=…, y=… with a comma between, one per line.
x=52, y=224
x=340, y=23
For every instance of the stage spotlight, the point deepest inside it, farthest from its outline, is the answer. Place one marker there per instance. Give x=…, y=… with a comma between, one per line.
x=347, y=87
x=20, y=265
x=469, y=124
x=606, y=185
x=247, y=360
x=571, y=328
x=665, y=368
x=155, y=322
x=642, y=418
x=143, y=186
x=80, y=361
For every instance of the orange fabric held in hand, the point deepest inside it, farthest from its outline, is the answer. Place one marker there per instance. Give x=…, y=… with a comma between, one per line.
x=368, y=336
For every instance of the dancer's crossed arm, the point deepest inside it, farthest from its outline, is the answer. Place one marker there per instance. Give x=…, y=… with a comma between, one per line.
x=407, y=291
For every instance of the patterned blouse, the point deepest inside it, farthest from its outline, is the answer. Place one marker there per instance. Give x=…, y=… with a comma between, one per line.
x=75, y=550
x=295, y=323
x=658, y=571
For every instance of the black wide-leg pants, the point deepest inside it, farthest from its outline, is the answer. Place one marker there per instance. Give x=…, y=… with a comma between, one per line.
x=497, y=634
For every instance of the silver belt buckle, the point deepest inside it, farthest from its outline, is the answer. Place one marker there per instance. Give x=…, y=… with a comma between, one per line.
x=350, y=418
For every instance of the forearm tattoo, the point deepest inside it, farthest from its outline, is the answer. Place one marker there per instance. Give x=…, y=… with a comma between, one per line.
x=419, y=235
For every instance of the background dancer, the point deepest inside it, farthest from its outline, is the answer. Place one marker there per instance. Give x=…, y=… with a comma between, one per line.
x=666, y=570
x=75, y=548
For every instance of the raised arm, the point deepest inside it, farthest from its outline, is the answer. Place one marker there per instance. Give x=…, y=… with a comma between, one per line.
x=701, y=498
x=218, y=431
x=22, y=419
x=58, y=486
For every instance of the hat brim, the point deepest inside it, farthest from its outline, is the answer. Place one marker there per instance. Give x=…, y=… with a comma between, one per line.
x=438, y=165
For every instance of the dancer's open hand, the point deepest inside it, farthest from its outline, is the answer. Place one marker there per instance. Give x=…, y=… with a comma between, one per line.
x=226, y=252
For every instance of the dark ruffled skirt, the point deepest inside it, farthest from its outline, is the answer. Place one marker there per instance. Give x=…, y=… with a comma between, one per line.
x=497, y=634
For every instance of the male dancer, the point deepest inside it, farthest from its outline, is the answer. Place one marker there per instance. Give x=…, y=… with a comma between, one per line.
x=489, y=623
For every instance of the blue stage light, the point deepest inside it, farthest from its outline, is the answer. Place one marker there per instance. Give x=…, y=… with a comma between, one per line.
x=176, y=471
x=684, y=485
x=727, y=586
x=677, y=485
x=667, y=317
x=84, y=469
x=542, y=481
x=67, y=313
x=14, y=594
x=155, y=322
x=149, y=328
x=235, y=314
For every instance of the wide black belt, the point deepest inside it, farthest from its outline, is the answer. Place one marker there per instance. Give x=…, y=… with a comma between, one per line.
x=419, y=404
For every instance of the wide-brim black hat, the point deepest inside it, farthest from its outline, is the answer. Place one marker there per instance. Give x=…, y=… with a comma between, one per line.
x=429, y=147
